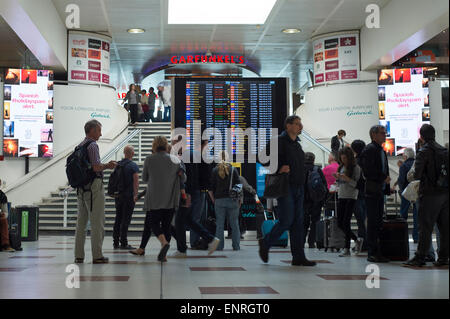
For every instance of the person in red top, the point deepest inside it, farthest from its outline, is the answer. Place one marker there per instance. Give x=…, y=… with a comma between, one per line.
x=328, y=172
x=330, y=169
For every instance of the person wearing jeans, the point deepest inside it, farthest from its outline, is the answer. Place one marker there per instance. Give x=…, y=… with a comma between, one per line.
x=402, y=182
x=291, y=160
x=229, y=208
x=223, y=177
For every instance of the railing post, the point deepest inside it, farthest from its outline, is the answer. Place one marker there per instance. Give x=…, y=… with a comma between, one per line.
x=66, y=195
x=323, y=159
x=140, y=146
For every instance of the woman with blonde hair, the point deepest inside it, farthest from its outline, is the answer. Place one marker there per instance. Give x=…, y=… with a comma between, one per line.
x=163, y=174
x=222, y=177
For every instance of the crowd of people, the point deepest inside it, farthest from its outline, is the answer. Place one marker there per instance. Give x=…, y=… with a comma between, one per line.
x=357, y=181
x=357, y=177
x=141, y=104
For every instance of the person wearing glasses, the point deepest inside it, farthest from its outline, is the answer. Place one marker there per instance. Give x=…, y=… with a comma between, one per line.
x=375, y=168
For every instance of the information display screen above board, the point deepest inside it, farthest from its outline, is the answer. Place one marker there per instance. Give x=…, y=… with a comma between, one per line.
x=88, y=57
x=28, y=113
x=403, y=106
x=231, y=103
x=336, y=58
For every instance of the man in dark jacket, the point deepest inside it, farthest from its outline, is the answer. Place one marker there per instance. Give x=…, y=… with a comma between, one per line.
x=313, y=207
x=375, y=167
x=291, y=160
x=337, y=142
x=126, y=200
x=431, y=168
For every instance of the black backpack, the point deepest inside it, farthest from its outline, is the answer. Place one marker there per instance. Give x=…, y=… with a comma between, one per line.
x=116, y=183
x=441, y=162
x=78, y=167
x=317, y=191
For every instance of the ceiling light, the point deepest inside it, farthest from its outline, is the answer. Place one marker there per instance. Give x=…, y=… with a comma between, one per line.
x=135, y=30
x=291, y=30
x=216, y=12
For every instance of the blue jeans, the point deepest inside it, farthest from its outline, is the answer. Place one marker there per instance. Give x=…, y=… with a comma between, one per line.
x=198, y=207
x=167, y=113
x=227, y=207
x=404, y=207
x=290, y=216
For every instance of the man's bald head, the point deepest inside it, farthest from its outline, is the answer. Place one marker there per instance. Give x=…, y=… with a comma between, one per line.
x=128, y=151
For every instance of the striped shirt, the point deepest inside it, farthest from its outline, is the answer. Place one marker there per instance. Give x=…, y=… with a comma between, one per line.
x=93, y=154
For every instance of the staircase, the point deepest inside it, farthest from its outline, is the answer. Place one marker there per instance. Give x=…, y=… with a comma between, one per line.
x=51, y=210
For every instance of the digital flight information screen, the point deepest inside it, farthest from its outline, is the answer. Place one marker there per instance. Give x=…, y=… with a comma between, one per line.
x=231, y=106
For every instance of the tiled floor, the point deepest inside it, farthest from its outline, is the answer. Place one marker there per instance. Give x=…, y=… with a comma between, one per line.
x=40, y=271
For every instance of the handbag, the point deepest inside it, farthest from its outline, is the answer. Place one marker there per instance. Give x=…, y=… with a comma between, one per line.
x=236, y=191
x=276, y=185
x=411, y=192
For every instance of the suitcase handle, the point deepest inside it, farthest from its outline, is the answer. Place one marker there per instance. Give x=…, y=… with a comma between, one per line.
x=265, y=215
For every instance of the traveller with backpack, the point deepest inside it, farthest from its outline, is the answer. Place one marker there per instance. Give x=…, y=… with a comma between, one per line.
x=315, y=194
x=124, y=186
x=431, y=168
x=347, y=177
x=84, y=172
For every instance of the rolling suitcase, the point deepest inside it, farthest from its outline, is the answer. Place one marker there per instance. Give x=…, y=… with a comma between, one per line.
x=267, y=228
x=15, y=240
x=394, y=243
x=334, y=237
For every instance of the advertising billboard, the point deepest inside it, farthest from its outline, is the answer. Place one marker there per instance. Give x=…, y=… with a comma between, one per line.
x=403, y=106
x=28, y=113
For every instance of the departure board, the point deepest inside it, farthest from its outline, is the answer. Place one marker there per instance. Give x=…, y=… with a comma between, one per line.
x=231, y=106
x=257, y=103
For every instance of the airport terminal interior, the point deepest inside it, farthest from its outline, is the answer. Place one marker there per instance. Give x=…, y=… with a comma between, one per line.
x=106, y=104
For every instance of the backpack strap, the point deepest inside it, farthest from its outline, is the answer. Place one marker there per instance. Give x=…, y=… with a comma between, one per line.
x=231, y=177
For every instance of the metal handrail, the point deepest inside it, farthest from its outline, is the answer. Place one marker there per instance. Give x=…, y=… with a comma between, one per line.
x=315, y=142
x=312, y=140
x=119, y=146
x=64, y=194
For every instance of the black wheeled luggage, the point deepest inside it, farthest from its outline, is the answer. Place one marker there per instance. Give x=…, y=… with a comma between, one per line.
x=394, y=241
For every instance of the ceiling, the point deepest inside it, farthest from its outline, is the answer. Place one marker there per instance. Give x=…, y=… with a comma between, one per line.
x=13, y=52
x=279, y=54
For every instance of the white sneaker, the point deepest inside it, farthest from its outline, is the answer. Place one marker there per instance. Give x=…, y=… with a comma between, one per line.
x=346, y=253
x=178, y=254
x=358, y=245
x=212, y=246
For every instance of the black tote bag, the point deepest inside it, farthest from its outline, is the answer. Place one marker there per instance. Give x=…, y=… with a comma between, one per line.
x=276, y=185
